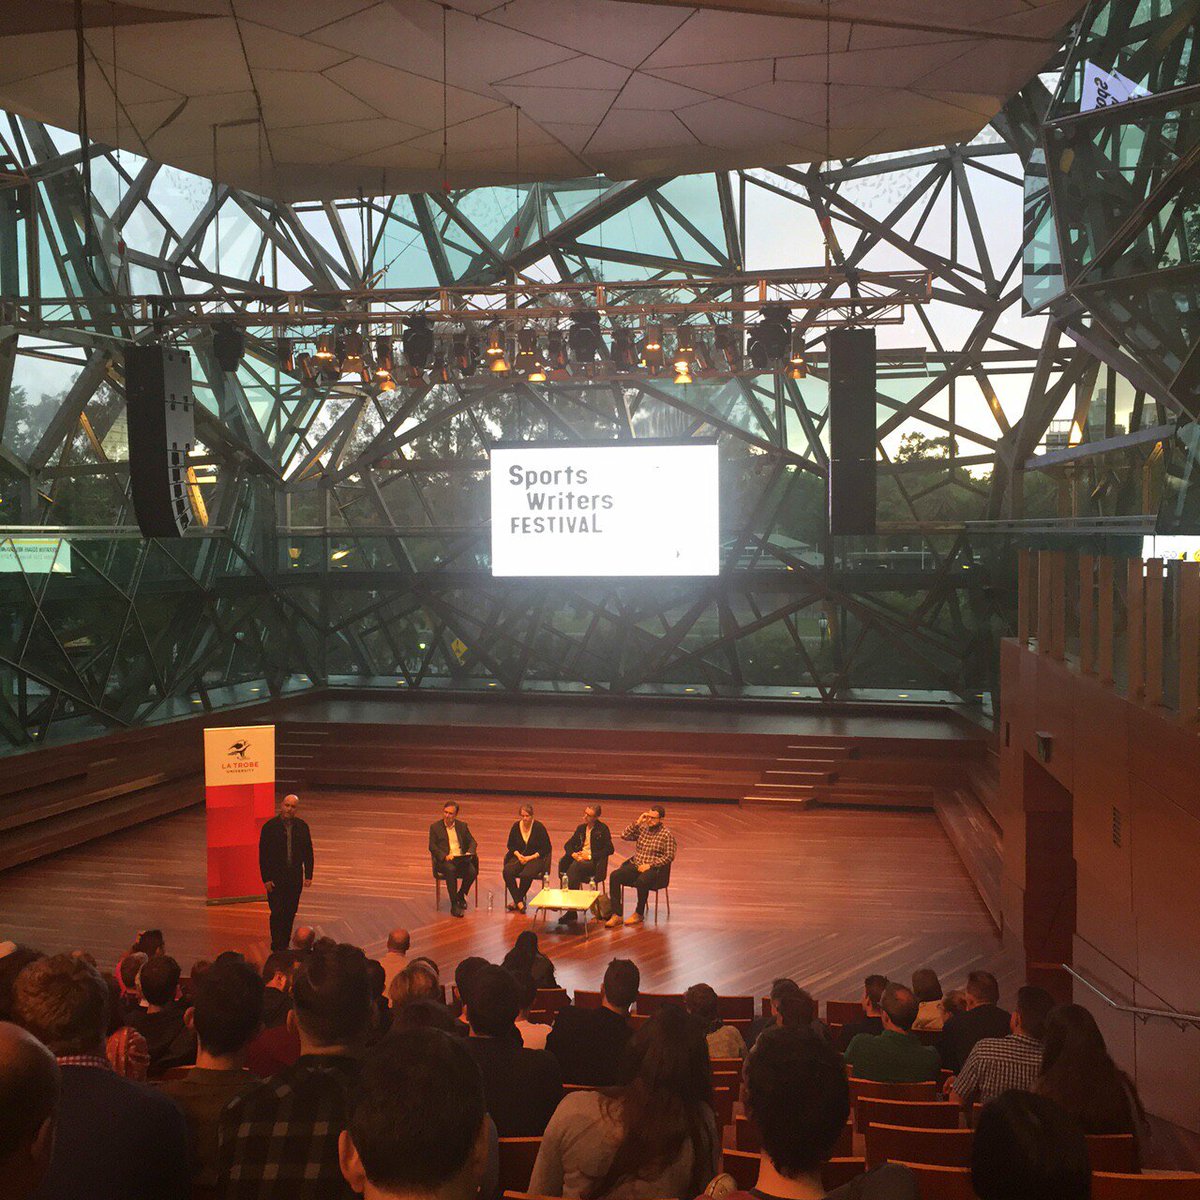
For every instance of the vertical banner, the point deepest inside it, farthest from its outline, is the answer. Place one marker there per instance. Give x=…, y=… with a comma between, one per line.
x=239, y=798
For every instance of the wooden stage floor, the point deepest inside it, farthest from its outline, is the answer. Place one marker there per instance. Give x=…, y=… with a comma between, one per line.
x=823, y=896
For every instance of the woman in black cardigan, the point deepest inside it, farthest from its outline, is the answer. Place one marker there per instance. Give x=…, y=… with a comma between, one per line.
x=527, y=858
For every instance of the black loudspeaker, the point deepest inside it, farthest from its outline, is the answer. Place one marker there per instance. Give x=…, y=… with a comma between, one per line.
x=161, y=417
x=852, y=485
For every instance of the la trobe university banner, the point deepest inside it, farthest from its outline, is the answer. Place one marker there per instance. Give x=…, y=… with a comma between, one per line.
x=239, y=798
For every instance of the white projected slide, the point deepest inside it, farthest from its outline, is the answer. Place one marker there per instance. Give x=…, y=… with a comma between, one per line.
x=648, y=509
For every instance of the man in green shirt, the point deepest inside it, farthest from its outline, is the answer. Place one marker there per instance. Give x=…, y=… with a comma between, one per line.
x=895, y=1055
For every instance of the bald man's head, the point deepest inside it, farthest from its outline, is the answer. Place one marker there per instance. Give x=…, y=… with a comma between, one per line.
x=29, y=1084
x=399, y=941
x=304, y=938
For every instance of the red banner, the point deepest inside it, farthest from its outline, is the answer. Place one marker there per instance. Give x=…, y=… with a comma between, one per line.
x=239, y=797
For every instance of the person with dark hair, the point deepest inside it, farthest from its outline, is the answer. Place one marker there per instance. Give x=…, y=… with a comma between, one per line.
x=794, y=1090
x=11, y=965
x=983, y=1017
x=463, y=974
x=381, y=1016
x=114, y=1139
x=423, y=1013
x=648, y=869
x=724, y=1041
x=455, y=856
x=526, y=857
x=533, y=1035
x=654, y=1134
x=791, y=1007
x=1080, y=1076
x=872, y=1019
x=525, y=958
x=277, y=1044
x=895, y=1055
x=225, y=1016
x=29, y=1089
x=399, y=941
x=280, y=1138
x=417, y=1125
x=589, y=1042
x=586, y=854
x=149, y=942
x=927, y=987
x=523, y=1087
x=1028, y=1148
x=168, y=1039
x=285, y=862
x=998, y=1065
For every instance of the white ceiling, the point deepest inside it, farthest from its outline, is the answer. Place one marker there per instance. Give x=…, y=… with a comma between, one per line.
x=351, y=91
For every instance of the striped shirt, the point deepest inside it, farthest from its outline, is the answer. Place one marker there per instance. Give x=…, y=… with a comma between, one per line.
x=997, y=1065
x=655, y=847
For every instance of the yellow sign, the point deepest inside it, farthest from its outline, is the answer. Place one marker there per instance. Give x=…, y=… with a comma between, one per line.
x=240, y=754
x=460, y=649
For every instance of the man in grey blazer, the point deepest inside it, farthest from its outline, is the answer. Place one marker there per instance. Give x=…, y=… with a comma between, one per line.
x=455, y=855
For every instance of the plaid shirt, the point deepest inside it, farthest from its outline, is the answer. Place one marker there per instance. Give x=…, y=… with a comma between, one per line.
x=654, y=846
x=280, y=1139
x=84, y=1060
x=996, y=1065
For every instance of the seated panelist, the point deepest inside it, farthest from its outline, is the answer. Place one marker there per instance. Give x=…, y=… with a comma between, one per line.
x=527, y=857
x=455, y=856
x=588, y=850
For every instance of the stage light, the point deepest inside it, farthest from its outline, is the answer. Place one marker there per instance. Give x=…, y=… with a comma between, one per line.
x=729, y=347
x=556, y=357
x=229, y=343
x=584, y=336
x=495, y=346
x=624, y=352
x=498, y=359
x=309, y=370
x=685, y=350
x=526, y=360
x=652, y=349
x=771, y=337
x=797, y=368
x=325, y=347
x=285, y=354
x=682, y=374
x=464, y=350
x=417, y=340
x=353, y=357
x=441, y=370
x=384, y=360
x=338, y=555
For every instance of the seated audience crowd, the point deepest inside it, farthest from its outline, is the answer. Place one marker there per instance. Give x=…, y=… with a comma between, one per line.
x=325, y=1073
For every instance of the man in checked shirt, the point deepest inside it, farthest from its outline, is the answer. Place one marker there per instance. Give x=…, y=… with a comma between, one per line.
x=648, y=869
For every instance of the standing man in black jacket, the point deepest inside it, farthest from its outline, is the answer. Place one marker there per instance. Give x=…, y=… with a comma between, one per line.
x=455, y=855
x=285, y=861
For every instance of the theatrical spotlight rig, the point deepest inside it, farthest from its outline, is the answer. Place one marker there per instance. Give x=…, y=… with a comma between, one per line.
x=531, y=332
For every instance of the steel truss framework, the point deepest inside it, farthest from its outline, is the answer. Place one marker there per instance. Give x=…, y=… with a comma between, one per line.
x=346, y=537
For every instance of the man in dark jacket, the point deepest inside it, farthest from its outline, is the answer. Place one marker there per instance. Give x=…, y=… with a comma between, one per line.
x=114, y=1139
x=983, y=1018
x=161, y=1023
x=588, y=850
x=871, y=1022
x=589, y=1042
x=285, y=861
x=455, y=856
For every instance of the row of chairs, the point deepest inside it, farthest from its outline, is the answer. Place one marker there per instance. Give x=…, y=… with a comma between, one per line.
x=600, y=885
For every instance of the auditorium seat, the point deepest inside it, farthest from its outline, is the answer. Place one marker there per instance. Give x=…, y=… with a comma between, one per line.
x=736, y=1008
x=838, y=1172
x=916, y=1114
x=842, y=1012
x=1115, y=1152
x=723, y=1101
x=720, y=1066
x=517, y=1156
x=860, y=1088
x=743, y=1166
x=439, y=883
x=550, y=1001
x=943, y=1183
x=649, y=1003
x=585, y=999
x=902, y=1143
x=1156, y=1185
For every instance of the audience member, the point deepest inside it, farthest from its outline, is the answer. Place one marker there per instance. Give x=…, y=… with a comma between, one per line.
x=286, y=1130
x=655, y=1134
x=895, y=1055
x=588, y=1042
x=463, y=974
x=304, y=939
x=724, y=1041
x=418, y=1124
x=1080, y=1076
x=150, y=942
x=523, y=1087
x=277, y=1044
x=11, y=965
x=399, y=942
x=525, y=958
x=225, y=1017
x=423, y=1013
x=415, y=982
x=124, y=1047
x=533, y=1035
x=872, y=1019
x=982, y=1017
x=29, y=1088
x=927, y=987
x=998, y=1065
x=114, y=1139
x=129, y=967
x=1027, y=1148
x=791, y=1008
x=381, y=1017
x=794, y=1090
x=160, y=1021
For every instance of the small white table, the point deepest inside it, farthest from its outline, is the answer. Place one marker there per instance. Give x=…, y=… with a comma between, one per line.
x=565, y=900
